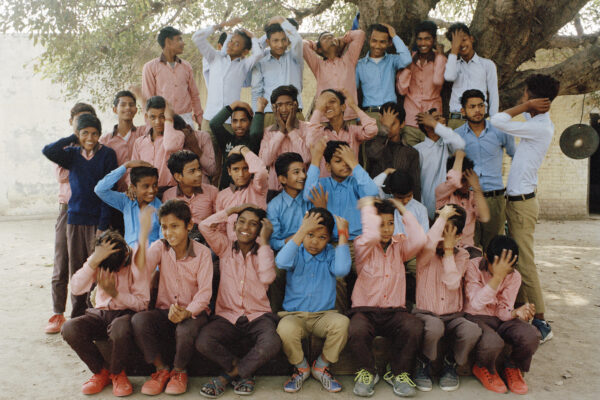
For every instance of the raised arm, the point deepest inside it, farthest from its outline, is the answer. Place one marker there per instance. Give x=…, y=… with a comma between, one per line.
x=529, y=129
x=451, y=274
x=265, y=269
x=311, y=57
x=450, y=137
x=415, y=238
x=172, y=139
x=453, y=181
x=439, y=67
x=57, y=153
x=104, y=190
x=451, y=72
x=216, y=238
x=216, y=126
x=257, y=126
x=355, y=40
x=144, y=258
x=371, y=235
x=403, y=58
x=257, y=167
x=312, y=176
x=200, y=39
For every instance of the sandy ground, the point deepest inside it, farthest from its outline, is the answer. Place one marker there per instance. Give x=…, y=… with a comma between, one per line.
x=39, y=366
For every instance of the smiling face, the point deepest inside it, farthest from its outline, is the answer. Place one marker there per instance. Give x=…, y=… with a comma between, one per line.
x=73, y=121
x=284, y=107
x=146, y=189
x=425, y=42
x=191, y=175
x=247, y=227
x=474, y=110
x=295, y=178
x=338, y=168
x=466, y=46
x=175, y=44
x=156, y=116
x=175, y=230
x=278, y=42
x=378, y=44
x=240, y=123
x=386, y=229
x=236, y=47
x=333, y=107
x=315, y=241
x=88, y=138
x=125, y=109
x=239, y=172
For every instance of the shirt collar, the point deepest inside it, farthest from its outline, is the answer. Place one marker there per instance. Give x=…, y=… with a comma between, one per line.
x=179, y=193
x=468, y=129
x=328, y=126
x=474, y=59
x=287, y=199
x=115, y=131
x=190, y=249
x=319, y=257
x=236, y=247
x=163, y=59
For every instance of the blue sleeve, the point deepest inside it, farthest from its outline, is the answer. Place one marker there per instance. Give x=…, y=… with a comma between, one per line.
x=366, y=186
x=286, y=258
x=312, y=179
x=403, y=58
x=110, y=164
x=274, y=215
x=111, y=197
x=57, y=153
x=342, y=261
x=509, y=144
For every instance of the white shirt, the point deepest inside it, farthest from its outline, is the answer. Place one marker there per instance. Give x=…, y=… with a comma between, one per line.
x=536, y=135
x=478, y=73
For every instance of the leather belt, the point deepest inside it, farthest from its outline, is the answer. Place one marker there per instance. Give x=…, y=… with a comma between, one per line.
x=494, y=193
x=521, y=197
x=371, y=109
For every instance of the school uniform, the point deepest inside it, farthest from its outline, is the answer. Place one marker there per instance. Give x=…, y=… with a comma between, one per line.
x=60, y=270
x=123, y=146
x=201, y=202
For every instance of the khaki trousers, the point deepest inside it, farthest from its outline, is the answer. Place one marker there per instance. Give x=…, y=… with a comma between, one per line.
x=454, y=123
x=484, y=232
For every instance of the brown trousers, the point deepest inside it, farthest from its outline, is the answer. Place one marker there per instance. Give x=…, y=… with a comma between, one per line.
x=60, y=272
x=80, y=245
x=485, y=231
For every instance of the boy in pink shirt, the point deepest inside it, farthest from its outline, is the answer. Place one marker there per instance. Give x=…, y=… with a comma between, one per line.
x=491, y=287
x=441, y=265
x=462, y=188
x=379, y=295
x=122, y=291
x=247, y=267
x=184, y=291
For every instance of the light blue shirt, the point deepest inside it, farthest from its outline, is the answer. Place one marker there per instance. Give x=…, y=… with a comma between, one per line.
x=129, y=208
x=377, y=80
x=286, y=214
x=343, y=196
x=270, y=72
x=486, y=153
x=310, y=280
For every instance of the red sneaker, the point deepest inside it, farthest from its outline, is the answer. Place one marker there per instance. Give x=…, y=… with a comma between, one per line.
x=55, y=323
x=178, y=383
x=489, y=381
x=96, y=383
x=156, y=384
x=121, y=385
x=515, y=381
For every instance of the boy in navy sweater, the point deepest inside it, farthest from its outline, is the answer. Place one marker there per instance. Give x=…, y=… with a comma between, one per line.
x=87, y=214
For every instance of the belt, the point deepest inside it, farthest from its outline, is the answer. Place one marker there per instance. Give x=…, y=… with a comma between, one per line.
x=371, y=109
x=494, y=193
x=521, y=197
x=456, y=116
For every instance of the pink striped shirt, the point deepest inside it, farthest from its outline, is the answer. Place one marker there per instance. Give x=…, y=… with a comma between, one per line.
x=64, y=187
x=381, y=278
x=481, y=299
x=201, y=203
x=123, y=147
x=244, y=281
x=207, y=158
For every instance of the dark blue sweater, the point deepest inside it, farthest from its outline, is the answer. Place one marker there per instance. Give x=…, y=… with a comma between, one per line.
x=85, y=208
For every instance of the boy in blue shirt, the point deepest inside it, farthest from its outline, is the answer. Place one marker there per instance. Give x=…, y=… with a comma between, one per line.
x=312, y=266
x=144, y=179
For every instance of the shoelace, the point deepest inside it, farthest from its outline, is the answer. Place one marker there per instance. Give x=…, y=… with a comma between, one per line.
x=178, y=376
x=511, y=374
x=364, y=377
x=120, y=379
x=158, y=373
x=487, y=375
x=96, y=378
x=388, y=376
x=403, y=377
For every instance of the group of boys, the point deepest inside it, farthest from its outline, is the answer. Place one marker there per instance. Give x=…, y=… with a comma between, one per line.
x=365, y=221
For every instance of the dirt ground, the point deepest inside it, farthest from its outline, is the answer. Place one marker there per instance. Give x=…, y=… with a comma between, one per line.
x=34, y=365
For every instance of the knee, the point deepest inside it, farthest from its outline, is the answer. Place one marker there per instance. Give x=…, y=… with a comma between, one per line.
x=471, y=333
x=139, y=321
x=433, y=329
x=358, y=328
x=69, y=330
x=414, y=326
x=339, y=325
x=289, y=328
x=528, y=341
x=492, y=342
x=120, y=329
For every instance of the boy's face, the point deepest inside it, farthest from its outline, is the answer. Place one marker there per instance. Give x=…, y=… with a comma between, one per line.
x=315, y=241
x=88, y=138
x=240, y=123
x=378, y=44
x=395, y=130
x=404, y=198
x=125, y=109
x=175, y=230
x=490, y=265
x=175, y=44
x=191, y=175
x=247, y=227
x=386, y=229
x=156, y=116
x=474, y=110
x=424, y=42
x=278, y=42
x=338, y=168
x=466, y=45
x=146, y=189
x=296, y=176
x=235, y=47
x=73, y=121
x=333, y=107
x=284, y=107
x=239, y=173
x=329, y=44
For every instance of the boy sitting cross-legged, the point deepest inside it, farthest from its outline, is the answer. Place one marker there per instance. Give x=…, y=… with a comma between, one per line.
x=379, y=296
x=312, y=266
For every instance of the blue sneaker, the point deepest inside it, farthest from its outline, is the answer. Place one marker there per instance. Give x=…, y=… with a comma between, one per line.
x=327, y=380
x=544, y=328
x=296, y=380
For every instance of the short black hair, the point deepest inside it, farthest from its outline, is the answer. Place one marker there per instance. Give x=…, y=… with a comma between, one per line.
x=338, y=94
x=541, y=86
x=421, y=126
x=499, y=243
x=457, y=26
x=285, y=90
x=378, y=28
x=232, y=159
x=328, y=220
x=156, y=102
x=390, y=105
x=457, y=220
x=179, y=159
x=467, y=163
x=331, y=147
x=294, y=23
x=427, y=26
x=222, y=38
x=123, y=93
x=471, y=94
x=178, y=208
x=82, y=107
x=283, y=162
x=179, y=123
x=398, y=183
x=137, y=173
x=273, y=28
x=385, y=207
x=244, y=109
x=259, y=212
x=118, y=259
x=166, y=32
x=245, y=37
x=89, y=121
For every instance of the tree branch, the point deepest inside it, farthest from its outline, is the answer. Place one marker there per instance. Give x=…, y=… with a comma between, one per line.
x=561, y=42
x=301, y=13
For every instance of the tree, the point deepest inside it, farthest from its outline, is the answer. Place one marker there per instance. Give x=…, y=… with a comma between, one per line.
x=101, y=45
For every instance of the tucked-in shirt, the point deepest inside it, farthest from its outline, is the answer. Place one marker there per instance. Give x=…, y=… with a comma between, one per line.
x=421, y=85
x=270, y=72
x=376, y=79
x=445, y=193
x=310, y=280
x=187, y=281
x=381, y=278
x=286, y=214
x=129, y=208
x=339, y=73
x=432, y=159
x=536, y=135
x=481, y=299
x=123, y=147
x=244, y=280
x=343, y=196
x=478, y=73
x=201, y=203
x=175, y=83
x=486, y=153
x=226, y=75
x=274, y=143
x=439, y=279
x=64, y=189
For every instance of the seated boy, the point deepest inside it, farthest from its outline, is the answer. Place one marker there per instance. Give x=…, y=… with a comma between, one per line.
x=379, y=296
x=184, y=291
x=242, y=307
x=462, y=188
x=249, y=184
x=122, y=291
x=87, y=214
x=441, y=266
x=491, y=288
x=144, y=179
x=312, y=266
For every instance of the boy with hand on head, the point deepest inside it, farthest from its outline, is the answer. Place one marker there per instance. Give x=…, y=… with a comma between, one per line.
x=242, y=308
x=441, y=265
x=122, y=291
x=88, y=216
x=491, y=288
x=379, y=296
x=184, y=291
